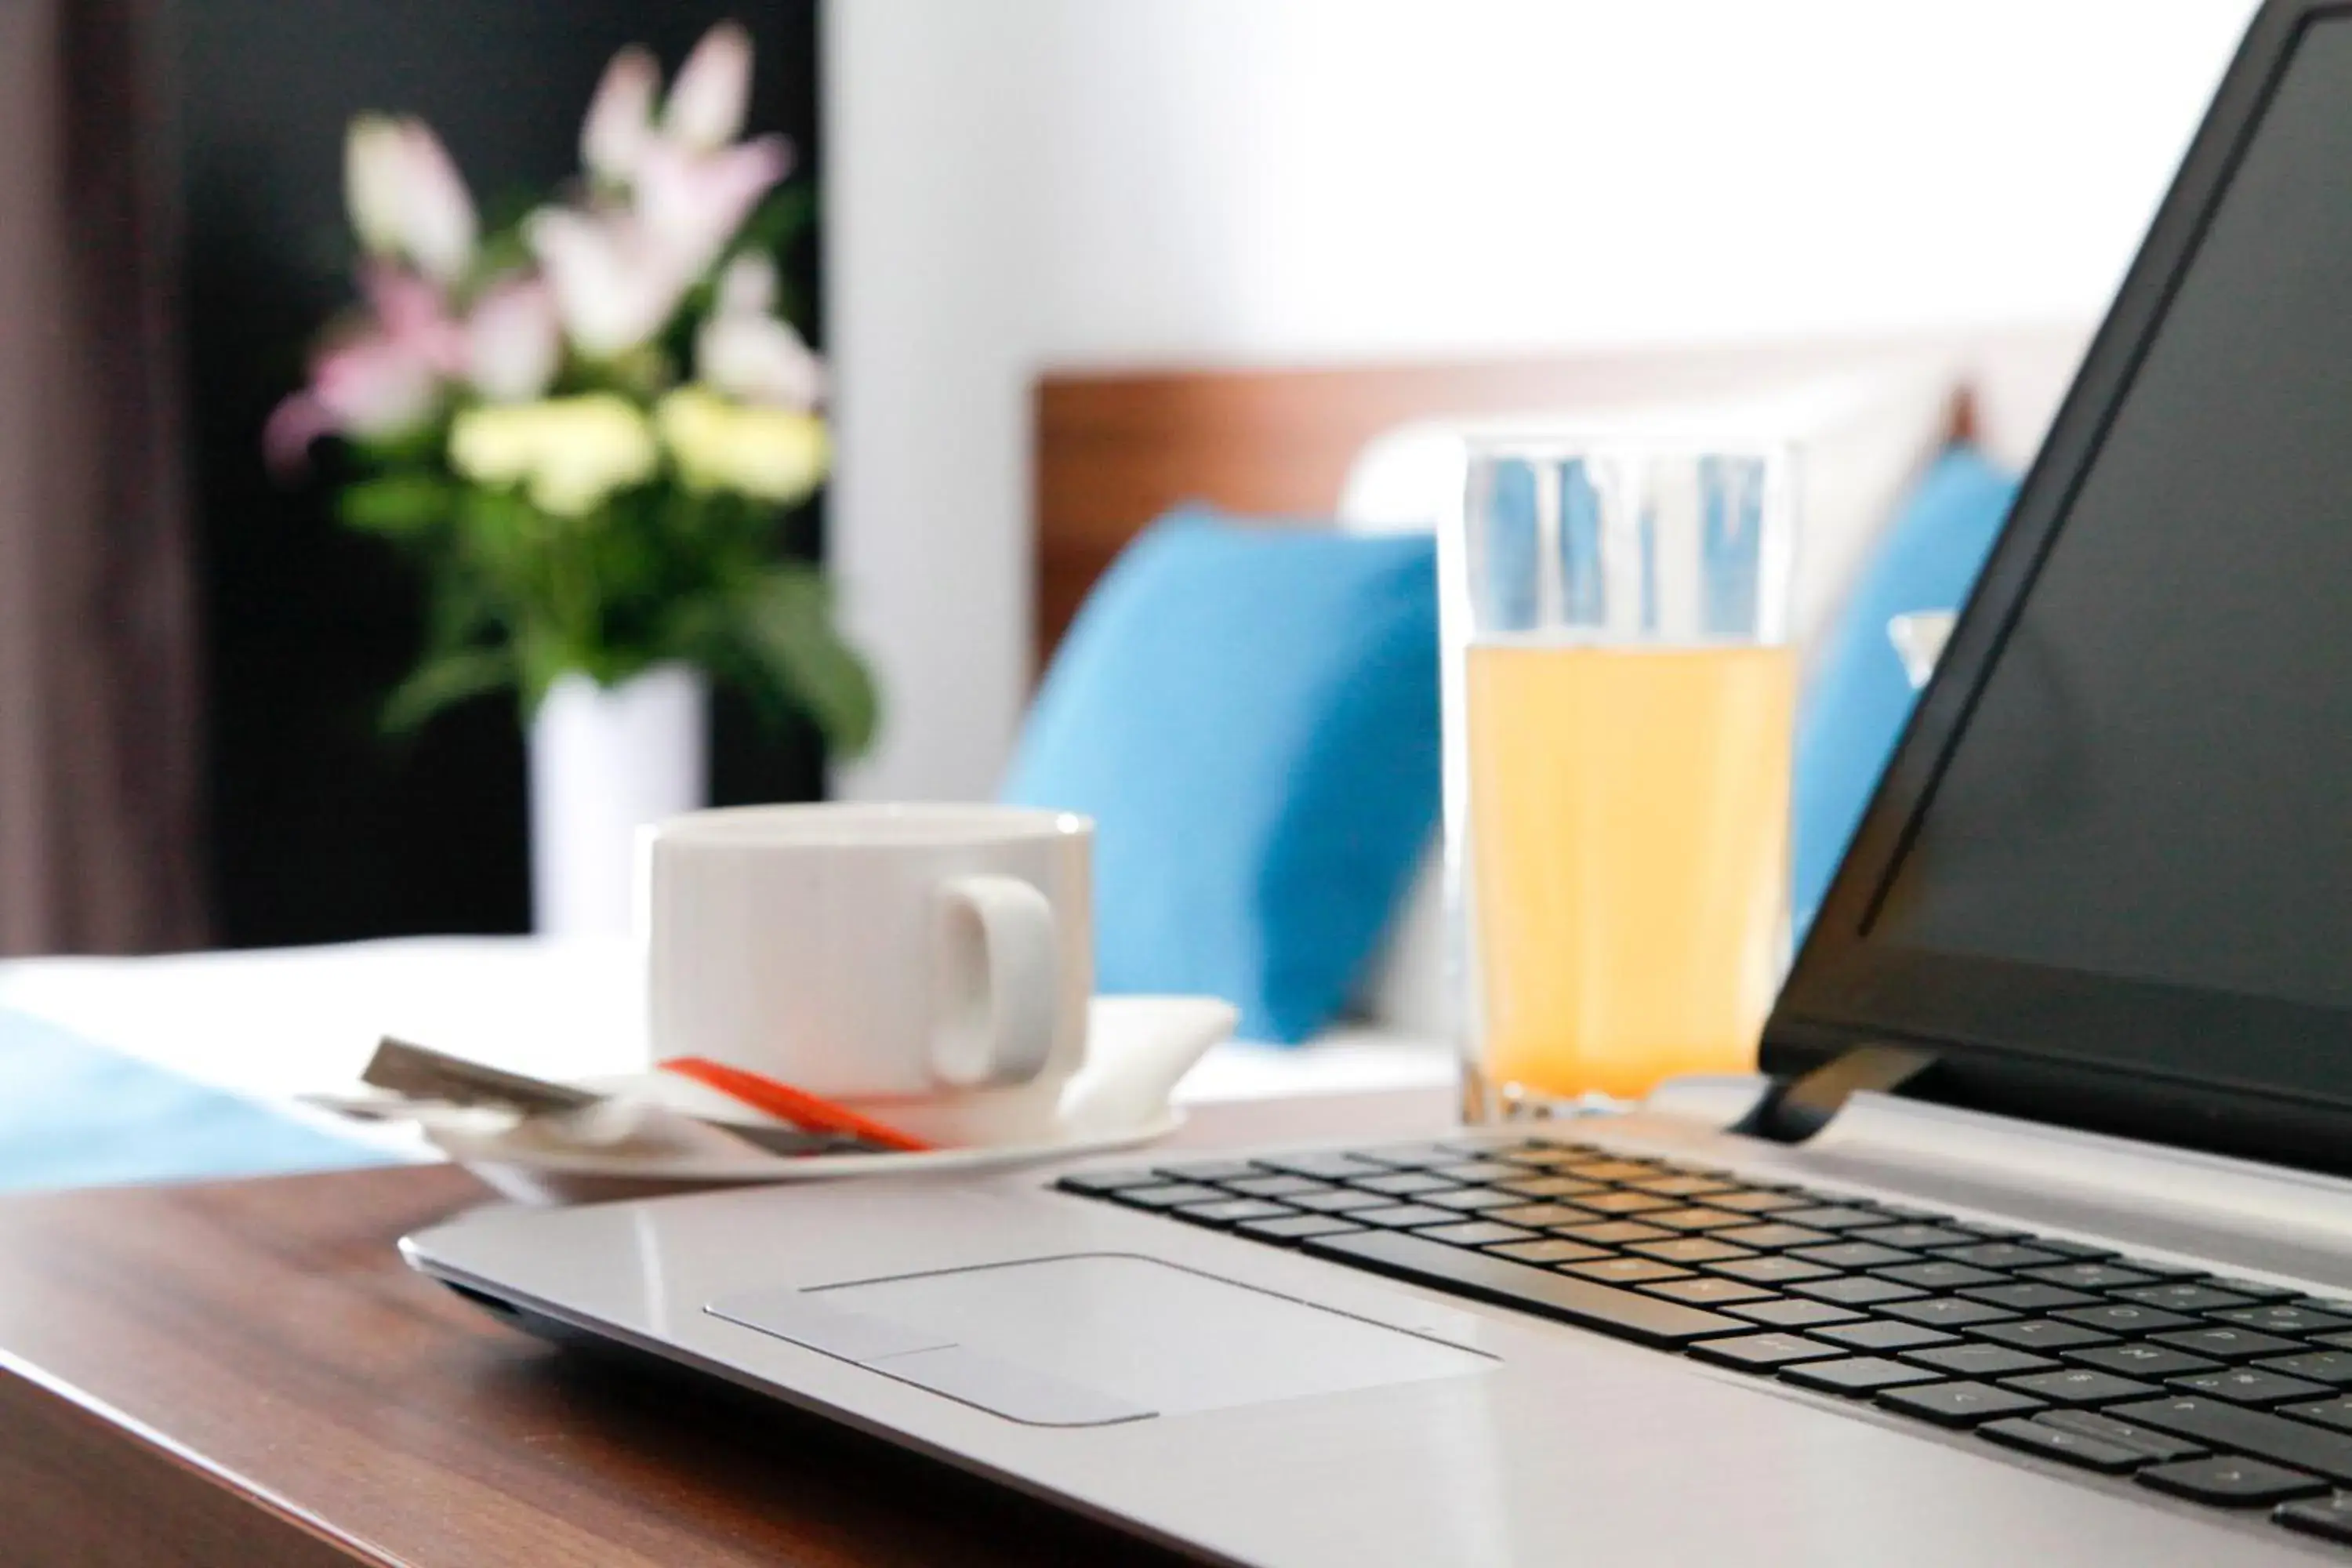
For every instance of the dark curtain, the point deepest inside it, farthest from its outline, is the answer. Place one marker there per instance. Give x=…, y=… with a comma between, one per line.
x=99, y=730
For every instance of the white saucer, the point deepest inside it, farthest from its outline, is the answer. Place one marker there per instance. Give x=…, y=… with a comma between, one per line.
x=577, y=1176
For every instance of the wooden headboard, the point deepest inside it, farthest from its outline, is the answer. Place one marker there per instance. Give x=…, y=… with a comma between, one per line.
x=1114, y=449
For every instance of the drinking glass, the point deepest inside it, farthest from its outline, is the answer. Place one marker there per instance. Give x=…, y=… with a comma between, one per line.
x=1618, y=705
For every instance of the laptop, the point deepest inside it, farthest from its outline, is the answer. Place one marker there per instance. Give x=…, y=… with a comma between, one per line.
x=2032, y=1242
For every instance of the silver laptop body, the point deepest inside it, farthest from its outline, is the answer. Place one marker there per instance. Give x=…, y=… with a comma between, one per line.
x=2076, y=1020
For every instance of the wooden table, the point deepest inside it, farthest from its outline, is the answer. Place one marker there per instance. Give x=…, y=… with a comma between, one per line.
x=244, y=1372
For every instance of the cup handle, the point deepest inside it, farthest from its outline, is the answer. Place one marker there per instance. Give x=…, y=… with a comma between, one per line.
x=1000, y=974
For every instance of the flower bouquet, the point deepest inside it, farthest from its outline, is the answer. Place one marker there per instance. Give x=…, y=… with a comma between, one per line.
x=586, y=426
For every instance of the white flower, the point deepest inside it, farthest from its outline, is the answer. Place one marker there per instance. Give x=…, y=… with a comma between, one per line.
x=769, y=454
x=612, y=285
x=713, y=91
x=407, y=198
x=620, y=124
x=750, y=286
x=757, y=359
x=513, y=346
x=570, y=454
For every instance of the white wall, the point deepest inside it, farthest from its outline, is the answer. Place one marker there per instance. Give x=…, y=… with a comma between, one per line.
x=1017, y=184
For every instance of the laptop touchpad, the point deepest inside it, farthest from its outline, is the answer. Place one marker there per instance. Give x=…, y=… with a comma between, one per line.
x=1095, y=1338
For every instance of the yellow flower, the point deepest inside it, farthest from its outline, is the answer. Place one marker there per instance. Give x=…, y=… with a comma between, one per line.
x=569, y=453
x=769, y=454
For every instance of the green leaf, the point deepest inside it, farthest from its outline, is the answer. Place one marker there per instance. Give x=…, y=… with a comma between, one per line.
x=442, y=682
x=792, y=637
x=403, y=506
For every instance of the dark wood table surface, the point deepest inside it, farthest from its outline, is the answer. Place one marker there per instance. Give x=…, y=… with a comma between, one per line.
x=244, y=1373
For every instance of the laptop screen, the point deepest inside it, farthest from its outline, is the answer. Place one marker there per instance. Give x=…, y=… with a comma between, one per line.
x=2140, y=847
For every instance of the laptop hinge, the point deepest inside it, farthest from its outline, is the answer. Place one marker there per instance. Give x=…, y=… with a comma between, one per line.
x=1794, y=1111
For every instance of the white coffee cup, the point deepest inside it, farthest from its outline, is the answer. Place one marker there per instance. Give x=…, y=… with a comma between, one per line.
x=916, y=957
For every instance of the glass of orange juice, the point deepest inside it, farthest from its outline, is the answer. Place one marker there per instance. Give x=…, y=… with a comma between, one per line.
x=1619, y=697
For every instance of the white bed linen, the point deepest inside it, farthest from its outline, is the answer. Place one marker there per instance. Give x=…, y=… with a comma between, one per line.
x=271, y=1024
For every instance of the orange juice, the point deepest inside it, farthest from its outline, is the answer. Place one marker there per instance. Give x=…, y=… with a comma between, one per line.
x=1629, y=820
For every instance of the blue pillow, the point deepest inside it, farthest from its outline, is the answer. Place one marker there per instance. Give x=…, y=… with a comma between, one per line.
x=1250, y=715
x=1859, y=697
x=74, y=1114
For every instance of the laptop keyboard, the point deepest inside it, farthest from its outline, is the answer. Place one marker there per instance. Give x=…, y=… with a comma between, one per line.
x=2225, y=1391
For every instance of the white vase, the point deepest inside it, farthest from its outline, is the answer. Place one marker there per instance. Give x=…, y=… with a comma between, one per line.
x=603, y=763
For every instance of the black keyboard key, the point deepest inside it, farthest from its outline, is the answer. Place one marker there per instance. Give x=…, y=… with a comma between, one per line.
x=1709, y=1292
x=1916, y=1237
x=1612, y=1233
x=1535, y=1157
x=1540, y=1216
x=1622, y=1203
x=2185, y=1298
x=1283, y=1187
x=2331, y=1367
x=2073, y=1248
x=2231, y=1482
x=1550, y=1186
x=2335, y=1413
x=1696, y=1218
x=1911, y=1211
x=2088, y=1276
x=1683, y=1186
x=1883, y=1334
x=2220, y=1424
x=1476, y=1172
x=1409, y=1157
x=1945, y=1312
x=2079, y=1385
x=1230, y=1212
x=1690, y=1249
x=1958, y=1404
x=2142, y=1361
x=1998, y=1255
x=2150, y=1444
x=1832, y=1217
x=1769, y=1270
x=1476, y=1233
x=1790, y=1314
x=1855, y=1255
x=1624, y=1313
x=1322, y=1166
x=2046, y=1335
x=1979, y=1361
x=1612, y=1170
x=2250, y=1385
x=1859, y=1374
x=1857, y=1291
x=1403, y=1183
x=2284, y=1319
x=1625, y=1271
x=1339, y=1200
x=2125, y=1317
x=2229, y=1343
x=2056, y=1443
x=1774, y=1237
x=1166, y=1195
x=1759, y=1201
x=2034, y=1297
x=2260, y=1290
x=1470, y=1200
x=1761, y=1352
x=2330, y=1517
x=1404, y=1217
x=1939, y=1274
x=1550, y=1250
x=1296, y=1227
x=1210, y=1171
x=1098, y=1183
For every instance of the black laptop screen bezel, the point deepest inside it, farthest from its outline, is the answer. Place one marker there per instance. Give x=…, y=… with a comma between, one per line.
x=2000, y=1030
